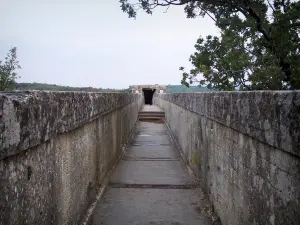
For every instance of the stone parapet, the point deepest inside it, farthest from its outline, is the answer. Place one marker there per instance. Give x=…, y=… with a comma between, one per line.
x=30, y=118
x=272, y=117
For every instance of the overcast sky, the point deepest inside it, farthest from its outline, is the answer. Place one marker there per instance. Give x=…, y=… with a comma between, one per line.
x=93, y=43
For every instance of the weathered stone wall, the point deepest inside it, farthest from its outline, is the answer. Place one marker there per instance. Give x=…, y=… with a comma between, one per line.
x=55, y=150
x=245, y=149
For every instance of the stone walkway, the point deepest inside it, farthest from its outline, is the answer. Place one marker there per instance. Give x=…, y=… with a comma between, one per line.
x=151, y=108
x=151, y=185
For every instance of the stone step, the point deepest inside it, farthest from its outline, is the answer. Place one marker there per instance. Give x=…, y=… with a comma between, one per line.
x=154, y=116
x=151, y=118
x=151, y=114
x=158, y=112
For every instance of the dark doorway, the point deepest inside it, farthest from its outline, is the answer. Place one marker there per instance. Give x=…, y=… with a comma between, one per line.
x=148, y=95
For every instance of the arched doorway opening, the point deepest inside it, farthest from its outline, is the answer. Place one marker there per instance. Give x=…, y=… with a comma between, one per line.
x=148, y=95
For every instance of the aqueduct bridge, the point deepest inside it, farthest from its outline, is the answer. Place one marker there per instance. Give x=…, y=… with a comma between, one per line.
x=189, y=158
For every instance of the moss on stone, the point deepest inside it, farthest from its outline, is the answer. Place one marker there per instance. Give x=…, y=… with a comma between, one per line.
x=196, y=158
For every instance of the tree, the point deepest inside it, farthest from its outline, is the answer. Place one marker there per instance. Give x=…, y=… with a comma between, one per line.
x=8, y=69
x=259, y=45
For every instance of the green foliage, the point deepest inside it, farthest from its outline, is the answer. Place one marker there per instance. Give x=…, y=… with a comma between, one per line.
x=259, y=46
x=183, y=88
x=54, y=87
x=196, y=158
x=8, y=69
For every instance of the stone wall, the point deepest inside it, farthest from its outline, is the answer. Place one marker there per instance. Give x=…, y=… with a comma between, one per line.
x=245, y=149
x=55, y=150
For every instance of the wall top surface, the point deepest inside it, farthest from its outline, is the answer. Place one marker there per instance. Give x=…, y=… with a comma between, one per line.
x=272, y=117
x=32, y=117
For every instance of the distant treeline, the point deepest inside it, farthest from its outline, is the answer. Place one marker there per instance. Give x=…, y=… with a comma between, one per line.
x=182, y=88
x=54, y=87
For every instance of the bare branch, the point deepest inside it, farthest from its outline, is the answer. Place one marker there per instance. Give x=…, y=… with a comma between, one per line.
x=206, y=12
x=167, y=9
x=274, y=11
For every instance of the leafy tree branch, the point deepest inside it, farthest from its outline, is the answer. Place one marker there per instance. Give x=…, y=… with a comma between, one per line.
x=258, y=48
x=8, y=69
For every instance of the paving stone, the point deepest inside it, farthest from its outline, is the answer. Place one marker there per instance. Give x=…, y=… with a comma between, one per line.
x=127, y=206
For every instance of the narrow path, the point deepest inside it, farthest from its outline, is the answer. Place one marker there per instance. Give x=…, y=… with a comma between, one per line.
x=151, y=185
